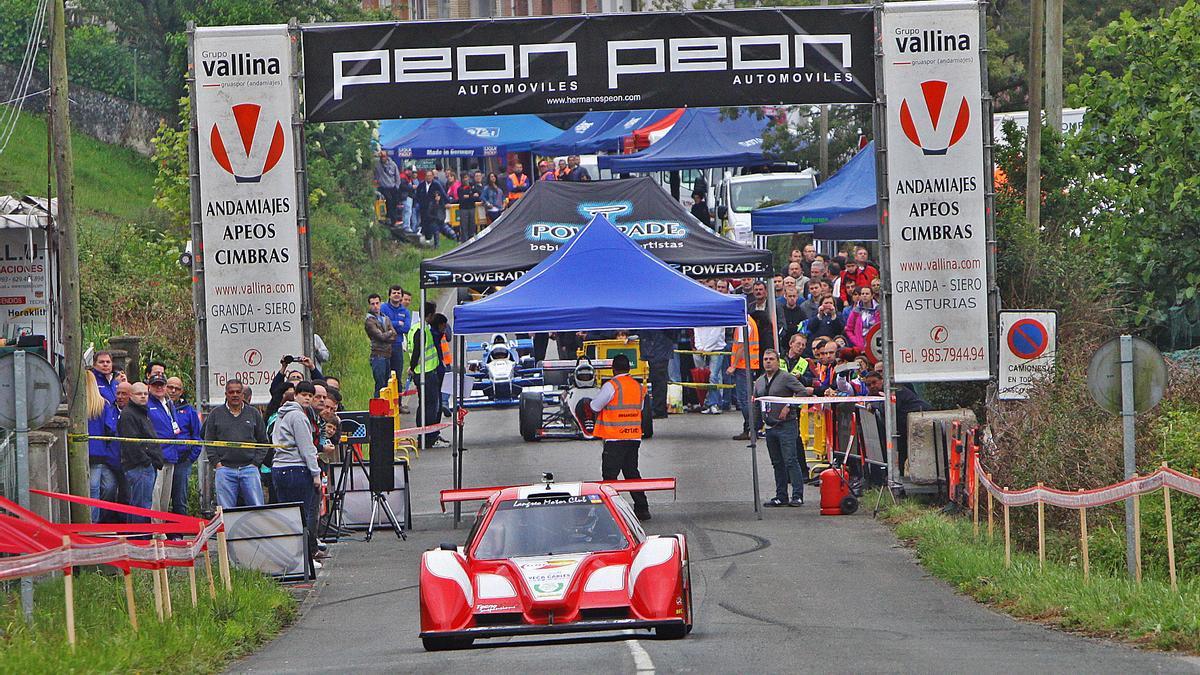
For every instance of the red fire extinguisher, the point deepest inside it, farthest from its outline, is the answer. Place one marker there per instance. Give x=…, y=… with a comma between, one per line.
x=836, y=498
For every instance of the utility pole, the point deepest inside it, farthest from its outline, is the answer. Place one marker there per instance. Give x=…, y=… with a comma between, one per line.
x=68, y=256
x=1054, y=64
x=823, y=132
x=1033, y=140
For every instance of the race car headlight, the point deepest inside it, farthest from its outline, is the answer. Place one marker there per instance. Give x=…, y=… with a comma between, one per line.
x=492, y=586
x=610, y=578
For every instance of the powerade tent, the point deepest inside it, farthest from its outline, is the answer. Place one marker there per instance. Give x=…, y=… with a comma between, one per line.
x=860, y=225
x=850, y=189
x=552, y=211
x=699, y=140
x=601, y=280
x=476, y=136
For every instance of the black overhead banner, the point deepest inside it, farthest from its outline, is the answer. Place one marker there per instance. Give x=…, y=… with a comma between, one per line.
x=551, y=212
x=596, y=62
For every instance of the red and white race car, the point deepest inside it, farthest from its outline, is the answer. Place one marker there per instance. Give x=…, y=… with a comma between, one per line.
x=555, y=558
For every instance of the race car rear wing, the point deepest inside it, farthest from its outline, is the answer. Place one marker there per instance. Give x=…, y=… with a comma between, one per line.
x=569, y=364
x=632, y=485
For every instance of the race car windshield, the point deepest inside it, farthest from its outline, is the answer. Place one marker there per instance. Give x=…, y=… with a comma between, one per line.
x=525, y=527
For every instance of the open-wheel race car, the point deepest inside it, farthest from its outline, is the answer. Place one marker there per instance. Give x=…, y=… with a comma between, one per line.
x=555, y=558
x=503, y=371
x=559, y=413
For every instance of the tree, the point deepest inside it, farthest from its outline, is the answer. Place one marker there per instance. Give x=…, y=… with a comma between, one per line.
x=1141, y=162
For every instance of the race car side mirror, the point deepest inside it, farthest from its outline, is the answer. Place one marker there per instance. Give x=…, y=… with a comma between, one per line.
x=447, y=547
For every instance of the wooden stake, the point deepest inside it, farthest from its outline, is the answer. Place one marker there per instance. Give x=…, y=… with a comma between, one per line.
x=975, y=502
x=1041, y=532
x=1083, y=543
x=166, y=583
x=1170, y=533
x=212, y=587
x=69, y=597
x=1137, y=536
x=157, y=582
x=192, y=584
x=991, y=532
x=1007, y=539
x=223, y=553
x=129, y=601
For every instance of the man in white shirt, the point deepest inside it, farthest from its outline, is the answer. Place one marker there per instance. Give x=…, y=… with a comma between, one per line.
x=712, y=339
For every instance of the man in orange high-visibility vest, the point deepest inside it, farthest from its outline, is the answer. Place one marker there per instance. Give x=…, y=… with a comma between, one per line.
x=619, y=423
x=737, y=368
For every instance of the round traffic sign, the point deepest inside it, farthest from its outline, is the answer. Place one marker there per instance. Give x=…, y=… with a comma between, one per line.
x=43, y=391
x=1149, y=375
x=874, y=344
x=1028, y=338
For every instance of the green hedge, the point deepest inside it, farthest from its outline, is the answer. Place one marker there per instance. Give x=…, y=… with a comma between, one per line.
x=96, y=58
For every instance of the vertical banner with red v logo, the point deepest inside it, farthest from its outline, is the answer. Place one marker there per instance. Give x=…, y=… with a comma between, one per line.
x=937, y=186
x=248, y=250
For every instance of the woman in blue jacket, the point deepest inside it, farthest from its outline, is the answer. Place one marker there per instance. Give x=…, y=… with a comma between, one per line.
x=104, y=457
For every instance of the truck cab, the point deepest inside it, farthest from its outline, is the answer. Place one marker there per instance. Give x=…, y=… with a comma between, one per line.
x=738, y=195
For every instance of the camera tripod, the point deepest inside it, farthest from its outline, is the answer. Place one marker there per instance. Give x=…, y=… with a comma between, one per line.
x=351, y=459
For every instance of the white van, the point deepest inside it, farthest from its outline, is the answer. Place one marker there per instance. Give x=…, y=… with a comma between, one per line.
x=739, y=195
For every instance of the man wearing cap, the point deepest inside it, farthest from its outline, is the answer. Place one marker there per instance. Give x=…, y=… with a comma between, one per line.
x=185, y=455
x=167, y=426
x=618, y=409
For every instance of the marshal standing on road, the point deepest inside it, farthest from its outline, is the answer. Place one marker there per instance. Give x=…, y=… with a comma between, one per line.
x=619, y=423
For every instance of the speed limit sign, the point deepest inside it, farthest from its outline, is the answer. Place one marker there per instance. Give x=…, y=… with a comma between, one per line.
x=875, y=344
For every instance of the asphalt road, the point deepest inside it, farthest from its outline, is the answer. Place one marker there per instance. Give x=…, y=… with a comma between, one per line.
x=795, y=592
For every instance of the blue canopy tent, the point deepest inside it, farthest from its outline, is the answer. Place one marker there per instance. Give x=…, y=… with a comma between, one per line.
x=860, y=225
x=548, y=297
x=598, y=281
x=699, y=140
x=440, y=138
x=473, y=136
x=599, y=132
x=852, y=188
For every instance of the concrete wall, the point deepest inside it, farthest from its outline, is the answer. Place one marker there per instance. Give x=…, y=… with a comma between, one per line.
x=103, y=116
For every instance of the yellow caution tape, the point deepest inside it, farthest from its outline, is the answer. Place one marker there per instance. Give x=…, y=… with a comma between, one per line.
x=701, y=353
x=698, y=385
x=164, y=441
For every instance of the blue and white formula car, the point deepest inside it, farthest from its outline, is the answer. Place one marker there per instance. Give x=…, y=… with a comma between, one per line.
x=505, y=369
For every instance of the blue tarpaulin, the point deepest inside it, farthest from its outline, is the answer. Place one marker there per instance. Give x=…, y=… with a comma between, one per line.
x=699, y=140
x=860, y=225
x=600, y=280
x=477, y=136
x=850, y=189
x=599, y=132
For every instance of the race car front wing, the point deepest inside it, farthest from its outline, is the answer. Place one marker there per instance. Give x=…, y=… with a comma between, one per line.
x=542, y=629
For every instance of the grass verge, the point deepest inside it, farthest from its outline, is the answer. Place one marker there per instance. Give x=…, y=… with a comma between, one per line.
x=1150, y=615
x=200, y=640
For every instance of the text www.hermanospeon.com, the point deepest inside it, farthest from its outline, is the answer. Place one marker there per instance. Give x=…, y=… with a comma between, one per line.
x=573, y=100
x=941, y=265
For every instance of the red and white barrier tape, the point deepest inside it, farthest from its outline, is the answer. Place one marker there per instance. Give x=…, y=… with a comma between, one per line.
x=116, y=551
x=1091, y=498
x=404, y=433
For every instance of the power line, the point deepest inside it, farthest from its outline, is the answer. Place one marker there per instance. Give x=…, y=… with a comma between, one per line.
x=11, y=115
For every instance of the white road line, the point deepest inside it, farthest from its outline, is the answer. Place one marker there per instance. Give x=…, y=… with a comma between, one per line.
x=641, y=659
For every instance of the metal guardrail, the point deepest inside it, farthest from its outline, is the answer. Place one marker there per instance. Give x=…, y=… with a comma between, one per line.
x=8, y=464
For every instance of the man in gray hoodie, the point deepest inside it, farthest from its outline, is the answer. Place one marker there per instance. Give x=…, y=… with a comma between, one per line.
x=294, y=471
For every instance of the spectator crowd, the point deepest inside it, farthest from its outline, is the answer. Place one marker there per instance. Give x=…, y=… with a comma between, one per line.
x=416, y=200
x=271, y=454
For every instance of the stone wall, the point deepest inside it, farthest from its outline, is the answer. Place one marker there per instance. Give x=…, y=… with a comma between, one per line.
x=103, y=116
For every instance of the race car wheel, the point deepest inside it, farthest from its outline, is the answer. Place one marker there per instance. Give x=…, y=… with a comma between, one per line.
x=647, y=419
x=441, y=644
x=530, y=415
x=848, y=505
x=672, y=632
